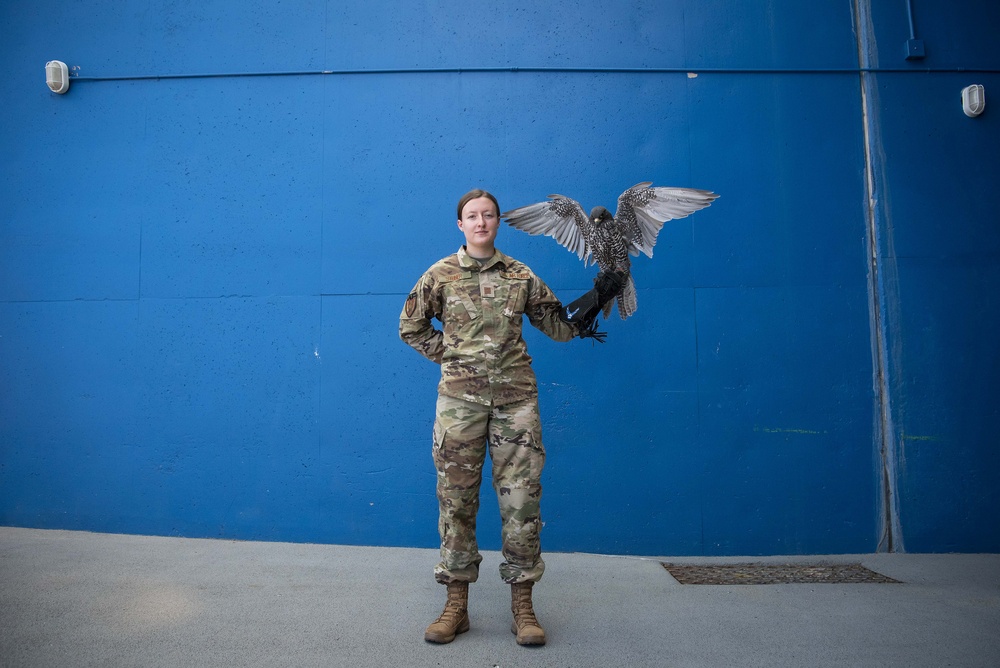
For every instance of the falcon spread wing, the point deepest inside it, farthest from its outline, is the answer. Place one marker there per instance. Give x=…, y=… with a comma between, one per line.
x=561, y=218
x=643, y=210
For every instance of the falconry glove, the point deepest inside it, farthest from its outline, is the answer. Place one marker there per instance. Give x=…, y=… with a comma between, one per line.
x=583, y=311
x=609, y=284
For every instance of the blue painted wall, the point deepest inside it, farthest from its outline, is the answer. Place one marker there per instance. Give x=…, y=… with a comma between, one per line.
x=200, y=276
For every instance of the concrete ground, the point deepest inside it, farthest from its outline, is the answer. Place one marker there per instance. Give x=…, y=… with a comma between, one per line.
x=82, y=599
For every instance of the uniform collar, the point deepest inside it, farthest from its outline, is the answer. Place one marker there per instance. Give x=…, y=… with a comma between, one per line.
x=469, y=262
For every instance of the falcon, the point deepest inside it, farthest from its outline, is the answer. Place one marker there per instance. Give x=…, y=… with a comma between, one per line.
x=607, y=240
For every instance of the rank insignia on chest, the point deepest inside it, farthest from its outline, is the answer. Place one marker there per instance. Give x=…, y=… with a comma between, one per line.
x=488, y=291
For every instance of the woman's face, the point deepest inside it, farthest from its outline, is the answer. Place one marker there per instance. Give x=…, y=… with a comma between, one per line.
x=480, y=222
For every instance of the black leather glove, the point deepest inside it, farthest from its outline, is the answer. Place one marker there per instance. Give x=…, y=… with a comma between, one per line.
x=609, y=284
x=583, y=311
x=589, y=331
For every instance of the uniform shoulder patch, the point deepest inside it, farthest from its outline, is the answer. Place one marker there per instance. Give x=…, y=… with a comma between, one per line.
x=411, y=304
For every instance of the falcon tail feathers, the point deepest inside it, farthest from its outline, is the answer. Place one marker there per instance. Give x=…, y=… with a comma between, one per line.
x=626, y=300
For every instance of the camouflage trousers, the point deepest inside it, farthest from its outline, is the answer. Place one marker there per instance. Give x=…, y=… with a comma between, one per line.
x=513, y=433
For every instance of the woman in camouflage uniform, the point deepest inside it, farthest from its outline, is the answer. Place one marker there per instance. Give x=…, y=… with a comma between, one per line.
x=487, y=397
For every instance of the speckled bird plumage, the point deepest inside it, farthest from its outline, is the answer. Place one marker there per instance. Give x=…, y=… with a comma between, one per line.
x=607, y=240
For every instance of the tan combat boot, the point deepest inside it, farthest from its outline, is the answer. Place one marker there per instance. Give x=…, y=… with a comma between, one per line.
x=454, y=619
x=527, y=628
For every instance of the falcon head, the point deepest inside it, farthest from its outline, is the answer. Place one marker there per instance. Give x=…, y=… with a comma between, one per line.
x=601, y=216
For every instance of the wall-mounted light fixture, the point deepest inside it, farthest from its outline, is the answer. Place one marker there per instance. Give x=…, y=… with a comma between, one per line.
x=973, y=100
x=57, y=76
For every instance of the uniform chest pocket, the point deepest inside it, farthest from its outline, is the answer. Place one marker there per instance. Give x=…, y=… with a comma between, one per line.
x=459, y=309
x=517, y=299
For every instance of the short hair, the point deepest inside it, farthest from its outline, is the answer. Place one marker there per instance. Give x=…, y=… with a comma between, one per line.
x=476, y=194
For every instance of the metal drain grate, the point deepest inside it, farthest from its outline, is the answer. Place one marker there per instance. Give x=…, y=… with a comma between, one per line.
x=765, y=574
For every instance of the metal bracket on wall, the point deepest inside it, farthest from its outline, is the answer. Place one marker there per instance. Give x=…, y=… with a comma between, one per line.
x=914, y=47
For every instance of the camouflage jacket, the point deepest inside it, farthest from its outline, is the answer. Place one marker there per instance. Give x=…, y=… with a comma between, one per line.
x=482, y=355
